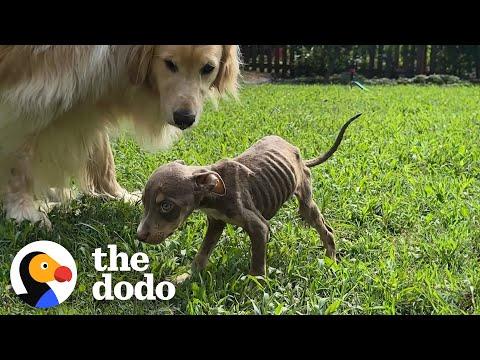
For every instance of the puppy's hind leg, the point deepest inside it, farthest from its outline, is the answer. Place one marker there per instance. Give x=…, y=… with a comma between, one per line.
x=101, y=177
x=311, y=214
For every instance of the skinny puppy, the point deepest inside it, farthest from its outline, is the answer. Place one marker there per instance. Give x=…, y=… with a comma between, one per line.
x=246, y=191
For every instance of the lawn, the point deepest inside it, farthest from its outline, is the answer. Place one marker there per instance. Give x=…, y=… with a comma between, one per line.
x=402, y=194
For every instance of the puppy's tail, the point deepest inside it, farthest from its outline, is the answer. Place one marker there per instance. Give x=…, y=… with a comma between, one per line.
x=329, y=153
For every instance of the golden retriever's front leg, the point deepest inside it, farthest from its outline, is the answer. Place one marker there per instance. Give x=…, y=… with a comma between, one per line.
x=18, y=199
x=102, y=180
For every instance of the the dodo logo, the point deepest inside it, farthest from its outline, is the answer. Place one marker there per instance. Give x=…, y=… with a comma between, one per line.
x=43, y=274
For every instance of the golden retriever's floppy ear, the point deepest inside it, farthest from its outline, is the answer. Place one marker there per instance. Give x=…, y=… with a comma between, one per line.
x=139, y=63
x=229, y=71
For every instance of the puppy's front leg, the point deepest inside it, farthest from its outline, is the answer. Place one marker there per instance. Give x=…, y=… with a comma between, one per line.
x=214, y=231
x=258, y=230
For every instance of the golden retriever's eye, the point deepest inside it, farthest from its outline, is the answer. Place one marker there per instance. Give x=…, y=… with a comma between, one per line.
x=207, y=69
x=171, y=66
x=166, y=206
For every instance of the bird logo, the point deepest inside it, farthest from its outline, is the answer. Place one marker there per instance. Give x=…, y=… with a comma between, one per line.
x=43, y=274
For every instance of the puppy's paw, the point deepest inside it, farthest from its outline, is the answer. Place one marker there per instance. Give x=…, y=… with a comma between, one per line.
x=256, y=272
x=330, y=247
x=333, y=256
x=199, y=263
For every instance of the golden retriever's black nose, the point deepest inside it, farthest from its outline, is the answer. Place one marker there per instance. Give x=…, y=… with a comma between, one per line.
x=183, y=118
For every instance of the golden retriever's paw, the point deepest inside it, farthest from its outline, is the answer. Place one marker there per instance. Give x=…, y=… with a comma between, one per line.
x=29, y=213
x=133, y=197
x=47, y=206
x=181, y=278
x=129, y=197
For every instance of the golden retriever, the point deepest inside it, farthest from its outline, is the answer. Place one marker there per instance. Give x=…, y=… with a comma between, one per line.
x=58, y=104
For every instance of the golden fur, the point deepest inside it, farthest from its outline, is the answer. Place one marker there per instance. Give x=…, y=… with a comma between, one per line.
x=58, y=103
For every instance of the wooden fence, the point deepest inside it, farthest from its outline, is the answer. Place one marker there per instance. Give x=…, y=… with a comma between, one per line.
x=275, y=59
x=370, y=60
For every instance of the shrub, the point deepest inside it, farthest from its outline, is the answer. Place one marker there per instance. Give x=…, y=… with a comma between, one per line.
x=450, y=79
x=403, y=80
x=343, y=78
x=420, y=79
x=435, y=79
x=381, y=81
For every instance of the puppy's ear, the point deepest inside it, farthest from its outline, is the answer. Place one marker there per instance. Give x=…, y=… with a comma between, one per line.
x=210, y=181
x=139, y=63
x=180, y=162
x=229, y=70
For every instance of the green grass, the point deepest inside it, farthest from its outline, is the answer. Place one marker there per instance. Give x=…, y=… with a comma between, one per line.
x=402, y=194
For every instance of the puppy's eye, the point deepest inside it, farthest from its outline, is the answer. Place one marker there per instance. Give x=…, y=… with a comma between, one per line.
x=207, y=69
x=166, y=206
x=171, y=66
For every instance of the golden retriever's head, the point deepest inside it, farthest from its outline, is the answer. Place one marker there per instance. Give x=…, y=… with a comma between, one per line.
x=183, y=76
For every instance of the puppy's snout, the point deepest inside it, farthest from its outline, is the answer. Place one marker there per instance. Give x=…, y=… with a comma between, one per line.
x=142, y=234
x=184, y=118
